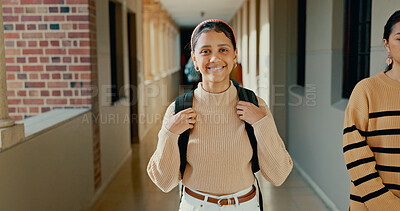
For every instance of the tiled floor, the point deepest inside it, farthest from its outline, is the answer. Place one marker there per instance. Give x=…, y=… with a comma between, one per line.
x=132, y=190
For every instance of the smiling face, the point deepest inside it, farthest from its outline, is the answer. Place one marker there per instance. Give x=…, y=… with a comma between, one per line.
x=393, y=45
x=215, y=56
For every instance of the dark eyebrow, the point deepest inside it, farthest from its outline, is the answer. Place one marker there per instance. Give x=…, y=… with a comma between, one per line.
x=208, y=46
x=205, y=46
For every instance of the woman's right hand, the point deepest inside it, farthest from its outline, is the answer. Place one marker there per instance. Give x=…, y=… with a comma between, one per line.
x=181, y=121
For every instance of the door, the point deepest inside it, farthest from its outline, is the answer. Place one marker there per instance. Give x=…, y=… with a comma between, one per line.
x=133, y=94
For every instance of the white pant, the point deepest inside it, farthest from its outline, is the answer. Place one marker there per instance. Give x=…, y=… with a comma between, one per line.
x=190, y=203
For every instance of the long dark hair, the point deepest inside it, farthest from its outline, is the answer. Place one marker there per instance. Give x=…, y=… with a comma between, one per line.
x=213, y=25
x=393, y=20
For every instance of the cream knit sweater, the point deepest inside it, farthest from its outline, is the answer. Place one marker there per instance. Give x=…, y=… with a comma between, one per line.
x=219, y=151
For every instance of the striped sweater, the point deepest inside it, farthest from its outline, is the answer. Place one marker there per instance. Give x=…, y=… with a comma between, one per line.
x=219, y=151
x=371, y=144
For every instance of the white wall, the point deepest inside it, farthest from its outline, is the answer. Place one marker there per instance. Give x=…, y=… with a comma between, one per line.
x=271, y=57
x=244, y=51
x=280, y=37
x=315, y=130
x=251, y=81
x=158, y=95
x=265, y=52
x=53, y=170
x=114, y=127
x=114, y=139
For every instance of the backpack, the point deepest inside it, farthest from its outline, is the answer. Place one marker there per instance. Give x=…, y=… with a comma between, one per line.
x=185, y=101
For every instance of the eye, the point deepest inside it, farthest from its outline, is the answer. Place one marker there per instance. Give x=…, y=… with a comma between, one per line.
x=224, y=50
x=204, y=51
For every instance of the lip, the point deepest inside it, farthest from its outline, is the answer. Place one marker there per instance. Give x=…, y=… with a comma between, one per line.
x=216, y=68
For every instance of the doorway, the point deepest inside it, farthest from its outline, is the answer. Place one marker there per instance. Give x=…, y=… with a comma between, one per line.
x=133, y=91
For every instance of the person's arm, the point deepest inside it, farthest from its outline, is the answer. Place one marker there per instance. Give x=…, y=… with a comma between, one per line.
x=163, y=167
x=274, y=161
x=360, y=160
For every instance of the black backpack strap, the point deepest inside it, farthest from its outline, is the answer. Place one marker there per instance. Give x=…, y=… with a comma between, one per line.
x=260, y=200
x=180, y=200
x=184, y=101
x=249, y=96
x=181, y=103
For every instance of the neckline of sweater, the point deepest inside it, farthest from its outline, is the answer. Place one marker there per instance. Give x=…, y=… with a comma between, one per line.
x=225, y=98
x=388, y=81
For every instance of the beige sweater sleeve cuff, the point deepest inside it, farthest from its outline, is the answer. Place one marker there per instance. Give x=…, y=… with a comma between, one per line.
x=275, y=162
x=163, y=167
x=260, y=122
x=167, y=135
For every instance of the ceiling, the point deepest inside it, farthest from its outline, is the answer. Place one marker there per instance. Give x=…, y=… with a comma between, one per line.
x=187, y=13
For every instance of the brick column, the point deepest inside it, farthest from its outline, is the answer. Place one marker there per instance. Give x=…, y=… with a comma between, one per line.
x=5, y=120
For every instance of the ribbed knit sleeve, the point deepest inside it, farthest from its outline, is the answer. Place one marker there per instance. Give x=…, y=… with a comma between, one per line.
x=275, y=162
x=163, y=167
x=360, y=160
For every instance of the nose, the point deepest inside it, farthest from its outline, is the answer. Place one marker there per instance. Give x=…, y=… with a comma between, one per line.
x=214, y=58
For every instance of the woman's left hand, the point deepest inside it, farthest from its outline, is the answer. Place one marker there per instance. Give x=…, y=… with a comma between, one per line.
x=249, y=112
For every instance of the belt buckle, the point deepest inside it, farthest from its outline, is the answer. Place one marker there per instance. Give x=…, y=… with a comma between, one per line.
x=220, y=200
x=219, y=203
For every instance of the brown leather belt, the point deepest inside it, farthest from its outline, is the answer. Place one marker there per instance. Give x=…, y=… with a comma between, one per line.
x=222, y=202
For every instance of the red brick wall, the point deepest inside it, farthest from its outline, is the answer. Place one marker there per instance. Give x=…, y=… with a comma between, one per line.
x=47, y=55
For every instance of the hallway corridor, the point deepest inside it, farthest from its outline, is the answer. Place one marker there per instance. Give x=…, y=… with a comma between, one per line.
x=132, y=190
x=81, y=79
